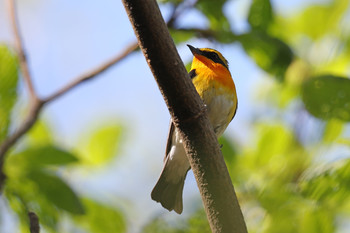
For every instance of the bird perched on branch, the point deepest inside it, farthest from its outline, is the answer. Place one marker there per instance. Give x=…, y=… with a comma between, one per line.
x=213, y=82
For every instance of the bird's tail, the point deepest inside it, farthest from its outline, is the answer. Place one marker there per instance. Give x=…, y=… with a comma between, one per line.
x=168, y=191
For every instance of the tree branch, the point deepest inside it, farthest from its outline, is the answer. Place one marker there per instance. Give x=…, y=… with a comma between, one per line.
x=36, y=107
x=91, y=74
x=34, y=222
x=36, y=103
x=21, y=52
x=188, y=114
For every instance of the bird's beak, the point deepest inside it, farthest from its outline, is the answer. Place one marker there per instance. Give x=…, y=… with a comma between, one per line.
x=194, y=50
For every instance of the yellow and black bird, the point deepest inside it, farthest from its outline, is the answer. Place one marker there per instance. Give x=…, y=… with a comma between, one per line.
x=213, y=82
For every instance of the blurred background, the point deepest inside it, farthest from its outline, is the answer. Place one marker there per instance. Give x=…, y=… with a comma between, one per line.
x=92, y=159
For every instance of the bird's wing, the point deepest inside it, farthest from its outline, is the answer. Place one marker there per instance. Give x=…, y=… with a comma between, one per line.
x=170, y=138
x=192, y=74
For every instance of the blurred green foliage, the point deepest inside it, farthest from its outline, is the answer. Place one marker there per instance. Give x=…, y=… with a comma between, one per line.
x=213, y=11
x=8, y=87
x=260, y=14
x=284, y=180
x=196, y=223
x=327, y=97
x=269, y=53
x=113, y=220
x=36, y=182
x=100, y=147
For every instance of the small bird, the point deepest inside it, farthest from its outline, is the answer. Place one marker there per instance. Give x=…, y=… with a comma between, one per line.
x=213, y=82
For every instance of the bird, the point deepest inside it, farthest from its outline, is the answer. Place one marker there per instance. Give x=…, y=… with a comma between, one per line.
x=213, y=81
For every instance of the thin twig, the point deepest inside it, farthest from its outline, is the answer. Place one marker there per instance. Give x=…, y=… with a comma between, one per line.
x=21, y=52
x=37, y=103
x=34, y=222
x=180, y=9
x=37, y=106
x=87, y=76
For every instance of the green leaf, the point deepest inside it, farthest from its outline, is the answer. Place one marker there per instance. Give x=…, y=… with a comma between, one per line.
x=48, y=155
x=213, y=10
x=326, y=16
x=317, y=220
x=269, y=53
x=327, y=97
x=40, y=134
x=278, y=157
x=329, y=184
x=333, y=130
x=35, y=158
x=102, y=145
x=57, y=191
x=8, y=87
x=23, y=195
x=260, y=14
x=101, y=218
x=330, y=18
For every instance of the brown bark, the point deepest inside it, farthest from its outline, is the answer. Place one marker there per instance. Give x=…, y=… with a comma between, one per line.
x=189, y=115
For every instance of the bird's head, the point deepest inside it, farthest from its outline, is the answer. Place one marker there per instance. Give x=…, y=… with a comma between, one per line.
x=209, y=57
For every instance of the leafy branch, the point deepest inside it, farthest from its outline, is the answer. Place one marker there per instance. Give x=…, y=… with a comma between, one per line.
x=36, y=103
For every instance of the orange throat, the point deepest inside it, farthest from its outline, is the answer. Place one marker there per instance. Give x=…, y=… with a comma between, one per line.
x=213, y=71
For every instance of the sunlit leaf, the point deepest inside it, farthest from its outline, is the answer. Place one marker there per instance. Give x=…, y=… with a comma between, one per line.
x=40, y=134
x=298, y=72
x=326, y=16
x=277, y=159
x=101, y=218
x=327, y=97
x=302, y=24
x=48, y=155
x=333, y=130
x=281, y=208
x=260, y=14
x=317, y=220
x=35, y=158
x=269, y=53
x=328, y=184
x=102, y=145
x=344, y=141
x=57, y=191
x=8, y=87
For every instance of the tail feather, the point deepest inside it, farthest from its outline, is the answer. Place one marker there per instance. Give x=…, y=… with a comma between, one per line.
x=169, y=192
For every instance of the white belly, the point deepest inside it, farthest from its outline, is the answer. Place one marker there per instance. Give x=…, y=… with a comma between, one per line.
x=220, y=111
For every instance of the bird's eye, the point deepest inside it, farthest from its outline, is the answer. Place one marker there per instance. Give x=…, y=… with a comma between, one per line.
x=216, y=57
